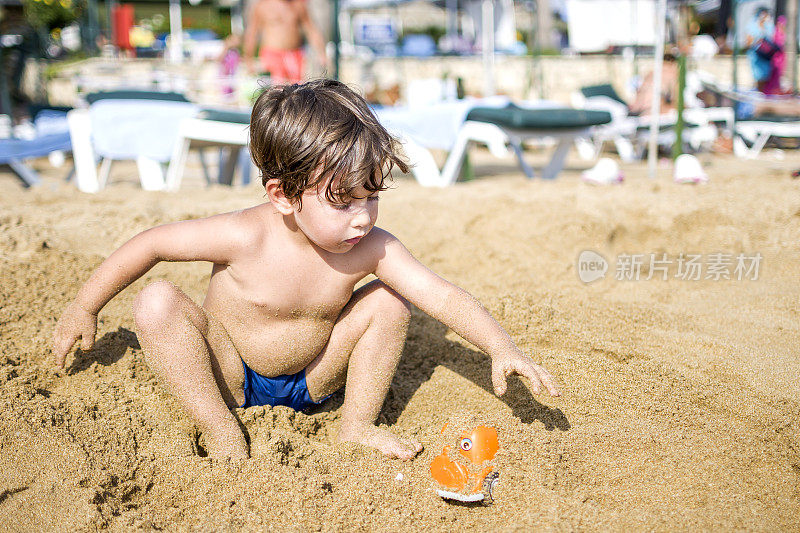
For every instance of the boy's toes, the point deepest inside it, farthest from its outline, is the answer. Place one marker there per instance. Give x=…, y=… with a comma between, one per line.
x=413, y=445
x=403, y=449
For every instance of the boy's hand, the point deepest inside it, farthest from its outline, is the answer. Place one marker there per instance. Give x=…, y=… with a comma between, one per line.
x=75, y=322
x=519, y=363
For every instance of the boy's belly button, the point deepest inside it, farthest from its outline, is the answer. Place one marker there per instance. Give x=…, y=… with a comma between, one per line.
x=284, y=348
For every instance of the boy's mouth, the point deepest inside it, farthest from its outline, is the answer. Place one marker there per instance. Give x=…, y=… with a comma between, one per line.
x=354, y=240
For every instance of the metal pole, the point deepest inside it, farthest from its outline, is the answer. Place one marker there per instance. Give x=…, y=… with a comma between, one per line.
x=5, y=99
x=175, y=32
x=452, y=19
x=336, y=38
x=735, y=54
x=677, y=148
x=791, y=42
x=237, y=17
x=655, y=106
x=487, y=45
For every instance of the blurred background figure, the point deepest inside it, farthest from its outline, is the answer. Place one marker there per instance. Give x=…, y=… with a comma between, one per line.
x=669, y=89
x=228, y=65
x=778, y=61
x=760, y=48
x=278, y=27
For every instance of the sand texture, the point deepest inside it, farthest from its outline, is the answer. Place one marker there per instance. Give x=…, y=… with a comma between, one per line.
x=680, y=407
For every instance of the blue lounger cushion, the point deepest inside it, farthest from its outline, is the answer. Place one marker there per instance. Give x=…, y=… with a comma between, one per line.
x=134, y=94
x=225, y=115
x=770, y=118
x=512, y=116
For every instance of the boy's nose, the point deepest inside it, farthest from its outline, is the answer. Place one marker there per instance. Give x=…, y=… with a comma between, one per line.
x=362, y=218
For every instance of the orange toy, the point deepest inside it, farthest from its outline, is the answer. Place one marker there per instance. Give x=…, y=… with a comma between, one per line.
x=470, y=477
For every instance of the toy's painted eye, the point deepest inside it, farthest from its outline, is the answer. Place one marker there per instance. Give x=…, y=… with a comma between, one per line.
x=466, y=444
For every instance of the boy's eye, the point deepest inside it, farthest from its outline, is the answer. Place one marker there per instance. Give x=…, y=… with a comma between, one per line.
x=341, y=207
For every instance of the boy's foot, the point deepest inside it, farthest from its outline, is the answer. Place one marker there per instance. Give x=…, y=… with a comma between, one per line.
x=222, y=442
x=384, y=441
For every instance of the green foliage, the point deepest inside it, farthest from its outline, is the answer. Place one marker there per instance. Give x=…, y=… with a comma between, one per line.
x=49, y=14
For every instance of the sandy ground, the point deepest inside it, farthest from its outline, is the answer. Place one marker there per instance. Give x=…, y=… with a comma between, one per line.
x=680, y=407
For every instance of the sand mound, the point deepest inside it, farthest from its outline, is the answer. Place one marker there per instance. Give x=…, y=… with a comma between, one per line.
x=680, y=402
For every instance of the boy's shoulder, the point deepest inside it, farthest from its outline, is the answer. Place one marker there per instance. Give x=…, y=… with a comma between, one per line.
x=377, y=241
x=243, y=228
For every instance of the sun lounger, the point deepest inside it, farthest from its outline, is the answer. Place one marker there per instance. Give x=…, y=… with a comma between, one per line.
x=51, y=135
x=630, y=133
x=120, y=125
x=455, y=125
x=447, y=125
x=215, y=128
x=752, y=134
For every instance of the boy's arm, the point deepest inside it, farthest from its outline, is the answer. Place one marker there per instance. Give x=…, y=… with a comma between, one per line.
x=460, y=311
x=213, y=239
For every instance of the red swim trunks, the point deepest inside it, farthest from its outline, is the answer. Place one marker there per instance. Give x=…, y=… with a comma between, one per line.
x=285, y=66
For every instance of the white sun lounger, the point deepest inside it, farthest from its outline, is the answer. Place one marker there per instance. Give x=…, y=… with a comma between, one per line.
x=120, y=128
x=454, y=126
x=217, y=129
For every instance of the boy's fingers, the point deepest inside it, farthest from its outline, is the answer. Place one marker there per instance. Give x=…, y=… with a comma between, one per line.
x=529, y=372
x=498, y=380
x=61, y=349
x=87, y=342
x=549, y=382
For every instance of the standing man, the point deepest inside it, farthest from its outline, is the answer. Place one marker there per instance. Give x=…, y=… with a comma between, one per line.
x=279, y=26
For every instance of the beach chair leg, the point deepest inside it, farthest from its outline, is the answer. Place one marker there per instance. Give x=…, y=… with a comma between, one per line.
x=201, y=154
x=516, y=145
x=587, y=150
x=556, y=163
x=245, y=166
x=28, y=176
x=452, y=167
x=422, y=164
x=105, y=171
x=177, y=164
x=228, y=164
x=83, y=156
x=151, y=174
x=625, y=149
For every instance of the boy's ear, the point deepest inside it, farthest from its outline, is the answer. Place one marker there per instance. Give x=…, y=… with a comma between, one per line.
x=277, y=198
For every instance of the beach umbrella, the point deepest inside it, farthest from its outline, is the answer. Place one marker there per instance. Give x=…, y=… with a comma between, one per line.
x=655, y=107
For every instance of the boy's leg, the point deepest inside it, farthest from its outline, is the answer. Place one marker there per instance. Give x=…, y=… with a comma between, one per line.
x=194, y=358
x=362, y=354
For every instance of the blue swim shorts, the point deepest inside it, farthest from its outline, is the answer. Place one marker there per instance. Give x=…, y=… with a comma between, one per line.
x=291, y=391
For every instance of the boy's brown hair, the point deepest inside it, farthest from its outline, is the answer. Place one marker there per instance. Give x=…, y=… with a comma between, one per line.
x=305, y=134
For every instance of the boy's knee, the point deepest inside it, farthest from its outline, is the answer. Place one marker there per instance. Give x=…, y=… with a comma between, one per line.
x=391, y=306
x=155, y=304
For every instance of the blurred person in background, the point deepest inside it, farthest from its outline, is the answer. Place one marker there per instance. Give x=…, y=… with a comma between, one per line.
x=778, y=61
x=760, y=48
x=278, y=26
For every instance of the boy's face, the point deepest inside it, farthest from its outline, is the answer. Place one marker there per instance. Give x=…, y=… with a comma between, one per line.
x=337, y=228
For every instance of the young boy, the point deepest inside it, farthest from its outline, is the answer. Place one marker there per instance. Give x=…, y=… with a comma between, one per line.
x=281, y=323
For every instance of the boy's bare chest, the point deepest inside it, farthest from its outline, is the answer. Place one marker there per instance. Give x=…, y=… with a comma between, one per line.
x=294, y=287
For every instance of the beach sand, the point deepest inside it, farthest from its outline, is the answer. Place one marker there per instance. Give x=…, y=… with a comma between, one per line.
x=680, y=406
